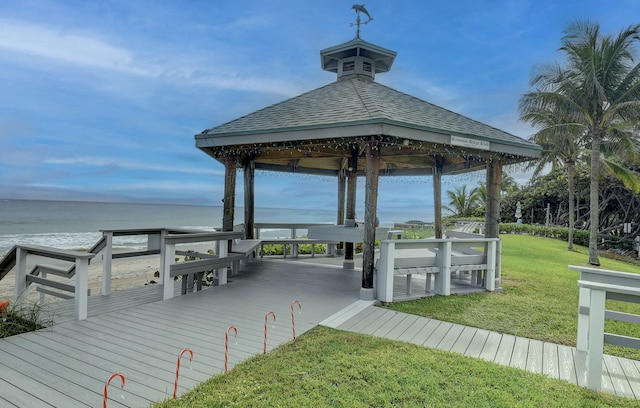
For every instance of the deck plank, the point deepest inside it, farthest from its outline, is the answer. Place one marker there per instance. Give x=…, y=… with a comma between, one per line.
x=404, y=325
x=451, y=337
x=632, y=374
x=550, y=366
x=505, y=350
x=616, y=375
x=491, y=346
x=464, y=340
x=425, y=331
x=477, y=343
x=437, y=335
x=534, y=357
x=520, y=353
x=566, y=364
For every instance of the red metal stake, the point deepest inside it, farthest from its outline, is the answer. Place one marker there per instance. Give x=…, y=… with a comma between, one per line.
x=226, y=345
x=293, y=321
x=4, y=304
x=175, y=384
x=265, y=328
x=106, y=387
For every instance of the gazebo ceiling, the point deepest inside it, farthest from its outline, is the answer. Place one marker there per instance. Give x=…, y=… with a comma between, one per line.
x=316, y=132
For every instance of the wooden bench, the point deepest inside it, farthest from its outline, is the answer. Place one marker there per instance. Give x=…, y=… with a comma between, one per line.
x=295, y=242
x=193, y=272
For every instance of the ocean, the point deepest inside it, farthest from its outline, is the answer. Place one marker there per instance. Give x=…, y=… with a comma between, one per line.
x=77, y=225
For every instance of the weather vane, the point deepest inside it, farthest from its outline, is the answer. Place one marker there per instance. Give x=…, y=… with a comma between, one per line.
x=359, y=8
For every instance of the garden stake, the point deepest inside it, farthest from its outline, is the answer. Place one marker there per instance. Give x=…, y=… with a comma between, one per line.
x=175, y=384
x=4, y=304
x=265, y=328
x=226, y=345
x=293, y=321
x=106, y=387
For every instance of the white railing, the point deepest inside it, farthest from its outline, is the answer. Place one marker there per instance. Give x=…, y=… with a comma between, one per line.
x=169, y=268
x=79, y=272
x=437, y=259
x=596, y=286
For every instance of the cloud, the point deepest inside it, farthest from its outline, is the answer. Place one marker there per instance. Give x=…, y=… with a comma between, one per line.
x=68, y=47
x=132, y=165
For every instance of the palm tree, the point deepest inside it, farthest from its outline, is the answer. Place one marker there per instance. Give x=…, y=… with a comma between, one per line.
x=462, y=203
x=600, y=89
x=560, y=141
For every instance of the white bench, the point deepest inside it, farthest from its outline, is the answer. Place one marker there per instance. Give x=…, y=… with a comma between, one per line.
x=192, y=272
x=437, y=259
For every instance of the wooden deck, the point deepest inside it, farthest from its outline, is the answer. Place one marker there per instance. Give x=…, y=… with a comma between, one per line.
x=131, y=332
x=620, y=376
x=66, y=365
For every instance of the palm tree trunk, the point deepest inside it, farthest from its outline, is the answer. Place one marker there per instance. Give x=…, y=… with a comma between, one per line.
x=571, y=170
x=594, y=210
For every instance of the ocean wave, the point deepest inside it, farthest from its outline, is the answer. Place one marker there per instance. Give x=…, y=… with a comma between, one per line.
x=69, y=240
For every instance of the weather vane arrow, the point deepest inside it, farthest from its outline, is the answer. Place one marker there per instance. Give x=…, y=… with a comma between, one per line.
x=359, y=8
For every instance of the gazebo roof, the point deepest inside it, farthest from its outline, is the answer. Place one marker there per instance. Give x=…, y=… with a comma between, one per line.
x=314, y=132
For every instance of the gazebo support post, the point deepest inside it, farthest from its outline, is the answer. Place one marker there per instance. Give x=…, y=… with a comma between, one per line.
x=352, y=184
x=437, y=196
x=494, y=184
x=229, y=194
x=342, y=185
x=249, y=171
x=372, y=171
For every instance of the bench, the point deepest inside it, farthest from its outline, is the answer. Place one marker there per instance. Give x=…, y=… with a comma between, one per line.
x=192, y=272
x=245, y=247
x=438, y=260
x=295, y=242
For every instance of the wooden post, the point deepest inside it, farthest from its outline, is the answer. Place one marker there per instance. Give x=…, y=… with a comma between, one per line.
x=494, y=183
x=372, y=171
x=249, y=167
x=107, y=258
x=437, y=196
x=352, y=183
x=229, y=194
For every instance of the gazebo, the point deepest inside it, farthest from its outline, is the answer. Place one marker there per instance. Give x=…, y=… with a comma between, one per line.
x=356, y=127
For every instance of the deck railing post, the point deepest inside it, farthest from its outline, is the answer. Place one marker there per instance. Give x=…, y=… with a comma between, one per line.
x=224, y=252
x=168, y=252
x=490, y=279
x=82, y=286
x=21, y=289
x=384, y=272
x=584, y=300
x=596, y=338
x=107, y=258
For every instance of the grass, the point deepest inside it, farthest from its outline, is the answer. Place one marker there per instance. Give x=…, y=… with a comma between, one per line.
x=325, y=367
x=22, y=319
x=540, y=299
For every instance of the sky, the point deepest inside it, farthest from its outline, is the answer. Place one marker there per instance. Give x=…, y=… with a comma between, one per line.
x=100, y=100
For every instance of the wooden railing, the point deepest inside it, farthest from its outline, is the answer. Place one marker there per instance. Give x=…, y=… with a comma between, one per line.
x=596, y=286
x=220, y=262
x=437, y=259
x=38, y=275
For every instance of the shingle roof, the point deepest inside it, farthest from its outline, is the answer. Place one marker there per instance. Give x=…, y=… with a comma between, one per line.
x=355, y=101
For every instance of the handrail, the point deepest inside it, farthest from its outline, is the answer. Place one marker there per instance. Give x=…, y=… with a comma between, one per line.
x=80, y=267
x=596, y=286
x=8, y=262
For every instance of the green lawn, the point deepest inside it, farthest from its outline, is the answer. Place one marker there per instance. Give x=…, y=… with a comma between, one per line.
x=326, y=367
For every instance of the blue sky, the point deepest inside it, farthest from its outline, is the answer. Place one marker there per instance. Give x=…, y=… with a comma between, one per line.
x=100, y=100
